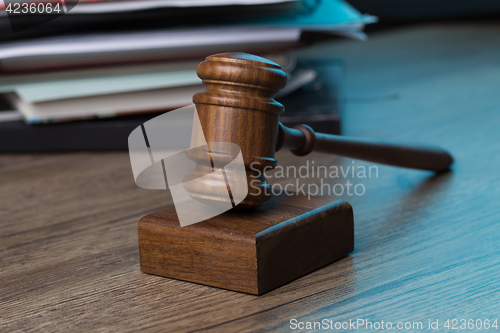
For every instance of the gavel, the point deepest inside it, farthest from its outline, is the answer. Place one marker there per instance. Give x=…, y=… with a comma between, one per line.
x=238, y=107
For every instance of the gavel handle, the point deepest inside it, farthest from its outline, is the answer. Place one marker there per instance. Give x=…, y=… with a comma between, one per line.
x=302, y=140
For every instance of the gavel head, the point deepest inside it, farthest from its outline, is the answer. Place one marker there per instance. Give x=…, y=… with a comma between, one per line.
x=236, y=108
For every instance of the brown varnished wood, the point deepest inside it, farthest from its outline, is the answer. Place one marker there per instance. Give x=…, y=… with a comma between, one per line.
x=426, y=246
x=252, y=252
x=302, y=140
x=238, y=107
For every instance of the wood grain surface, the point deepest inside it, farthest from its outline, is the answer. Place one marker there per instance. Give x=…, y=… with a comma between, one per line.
x=251, y=251
x=426, y=247
x=238, y=107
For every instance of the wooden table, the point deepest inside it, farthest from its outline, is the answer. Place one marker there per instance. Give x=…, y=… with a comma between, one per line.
x=427, y=247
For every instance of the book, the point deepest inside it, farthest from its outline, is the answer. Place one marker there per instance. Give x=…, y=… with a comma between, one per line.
x=254, y=34
x=102, y=6
x=75, y=23
x=318, y=103
x=140, y=47
x=7, y=114
x=54, y=85
x=74, y=95
x=110, y=105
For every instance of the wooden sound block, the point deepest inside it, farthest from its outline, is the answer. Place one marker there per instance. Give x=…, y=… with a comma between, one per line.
x=251, y=251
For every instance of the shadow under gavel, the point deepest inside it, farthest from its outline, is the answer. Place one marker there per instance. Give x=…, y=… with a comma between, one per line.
x=238, y=107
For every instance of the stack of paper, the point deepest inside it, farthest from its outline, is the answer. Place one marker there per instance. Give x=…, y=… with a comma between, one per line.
x=109, y=73
x=103, y=92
